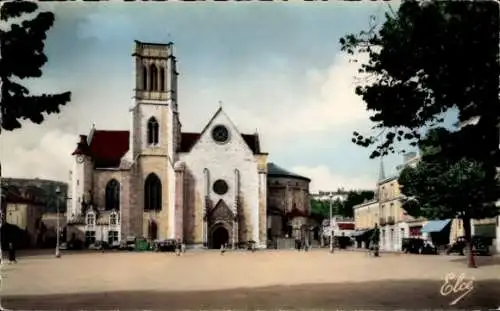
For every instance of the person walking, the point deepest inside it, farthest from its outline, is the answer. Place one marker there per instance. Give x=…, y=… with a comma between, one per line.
x=222, y=249
x=375, y=240
x=178, y=248
x=12, y=253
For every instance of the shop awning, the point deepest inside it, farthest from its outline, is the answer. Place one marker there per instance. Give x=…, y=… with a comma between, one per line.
x=435, y=225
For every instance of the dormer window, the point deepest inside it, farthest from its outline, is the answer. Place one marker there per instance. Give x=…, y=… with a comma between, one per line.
x=90, y=219
x=113, y=219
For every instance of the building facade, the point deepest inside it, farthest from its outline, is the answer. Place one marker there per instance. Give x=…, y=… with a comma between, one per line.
x=155, y=181
x=288, y=204
x=366, y=215
x=394, y=222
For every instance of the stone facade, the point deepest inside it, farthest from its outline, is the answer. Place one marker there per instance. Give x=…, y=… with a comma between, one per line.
x=234, y=163
x=206, y=189
x=288, y=204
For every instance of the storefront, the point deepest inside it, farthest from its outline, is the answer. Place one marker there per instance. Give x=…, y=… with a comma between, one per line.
x=416, y=231
x=437, y=231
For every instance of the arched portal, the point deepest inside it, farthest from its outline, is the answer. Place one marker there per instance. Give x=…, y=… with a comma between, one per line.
x=152, y=230
x=220, y=236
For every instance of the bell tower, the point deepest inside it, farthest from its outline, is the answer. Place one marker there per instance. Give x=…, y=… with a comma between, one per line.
x=155, y=135
x=155, y=115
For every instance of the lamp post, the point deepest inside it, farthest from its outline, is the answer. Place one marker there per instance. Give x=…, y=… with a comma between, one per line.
x=331, y=220
x=1, y=208
x=58, y=233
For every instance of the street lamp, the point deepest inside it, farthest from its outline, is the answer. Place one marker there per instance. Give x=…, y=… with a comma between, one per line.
x=1, y=209
x=331, y=220
x=58, y=252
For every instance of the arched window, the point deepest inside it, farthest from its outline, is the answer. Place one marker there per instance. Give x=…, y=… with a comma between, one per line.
x=153, y=128
x=112, y=195
x=144, y=78
x=161, y=81
x=152, y=193
x=153, y=78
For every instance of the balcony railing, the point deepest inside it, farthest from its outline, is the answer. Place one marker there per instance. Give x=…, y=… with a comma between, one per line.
x=390, y=220
x=381, y=221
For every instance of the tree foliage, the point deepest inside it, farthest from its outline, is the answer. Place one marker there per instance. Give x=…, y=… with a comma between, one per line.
x=449, y=186
x=425, y=59
x=341, y=208
x=22, y=56
x=355, y=198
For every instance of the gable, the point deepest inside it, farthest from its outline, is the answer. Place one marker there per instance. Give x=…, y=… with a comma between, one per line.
x=221, y=212
x=189, y=140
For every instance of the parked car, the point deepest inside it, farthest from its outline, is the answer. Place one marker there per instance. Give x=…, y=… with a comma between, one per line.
x=428, y=249
x=480, y=246
x=128, y=244
x=75, y=244
x=165, y=245
x=99, y=245
x=412, y=245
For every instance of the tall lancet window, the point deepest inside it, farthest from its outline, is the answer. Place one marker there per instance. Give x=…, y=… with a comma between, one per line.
x=112, y=195
x=161, y=81
x=153, y=131
x=152, y=193
x=153, y=78
x=144, y=78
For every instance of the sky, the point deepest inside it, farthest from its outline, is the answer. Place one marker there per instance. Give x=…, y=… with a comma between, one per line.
x=275, y=67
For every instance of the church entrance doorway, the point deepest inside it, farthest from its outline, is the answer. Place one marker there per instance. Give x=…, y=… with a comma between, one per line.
x=220, y=236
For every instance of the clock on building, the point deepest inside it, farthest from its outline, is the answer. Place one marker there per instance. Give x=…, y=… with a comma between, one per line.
x=79, y=159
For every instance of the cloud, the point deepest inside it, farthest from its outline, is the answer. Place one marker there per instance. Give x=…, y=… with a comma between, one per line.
x=283, y=104
x=287, y=97
x=282, y=110
x=48, y=158
x=322, y=178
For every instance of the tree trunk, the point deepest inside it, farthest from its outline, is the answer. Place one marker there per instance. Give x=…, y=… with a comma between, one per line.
x=468, y=240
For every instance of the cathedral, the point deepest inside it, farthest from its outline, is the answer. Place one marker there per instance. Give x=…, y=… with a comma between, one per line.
x=155, y=181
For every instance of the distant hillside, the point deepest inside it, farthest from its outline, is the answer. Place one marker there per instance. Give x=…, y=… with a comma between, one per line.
x=48, y=192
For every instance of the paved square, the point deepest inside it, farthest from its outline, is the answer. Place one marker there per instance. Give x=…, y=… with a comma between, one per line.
x=265, y=279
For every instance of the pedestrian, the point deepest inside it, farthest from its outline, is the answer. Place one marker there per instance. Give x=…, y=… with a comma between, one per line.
x=375, y=240
x=183, y=248
x=178, y=248
x=222, y=249
x=12, y=253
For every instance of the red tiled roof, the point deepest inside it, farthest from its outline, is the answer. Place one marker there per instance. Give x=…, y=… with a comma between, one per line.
x=108, y=147
x=188, y=140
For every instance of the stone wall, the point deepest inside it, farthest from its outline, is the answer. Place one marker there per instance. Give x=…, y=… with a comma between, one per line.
x=287, y=192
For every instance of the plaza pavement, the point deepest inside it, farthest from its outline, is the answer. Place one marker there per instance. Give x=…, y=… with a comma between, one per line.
x=243, y=280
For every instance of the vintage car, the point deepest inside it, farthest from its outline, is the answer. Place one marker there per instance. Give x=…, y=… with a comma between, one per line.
x=480, y=246
x=168, y=245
